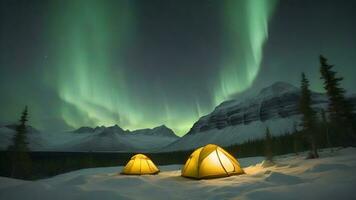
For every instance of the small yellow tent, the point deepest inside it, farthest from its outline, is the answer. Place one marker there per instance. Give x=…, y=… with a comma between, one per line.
x=140, y=164
x=211, y=161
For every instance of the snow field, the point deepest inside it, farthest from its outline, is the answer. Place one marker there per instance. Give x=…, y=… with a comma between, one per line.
x=333, y=176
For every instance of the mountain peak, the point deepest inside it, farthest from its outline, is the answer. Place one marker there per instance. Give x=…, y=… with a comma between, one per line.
x=161, y=127
x=116, y=128
x=84, y=129
x=162, y=130
x=278, y=88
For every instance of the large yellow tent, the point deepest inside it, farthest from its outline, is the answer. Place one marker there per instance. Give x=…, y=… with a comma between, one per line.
x=140, y=164
x=211, y=161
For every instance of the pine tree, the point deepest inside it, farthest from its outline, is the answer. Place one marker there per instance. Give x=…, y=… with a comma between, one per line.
x=20, y=159
x=325, y=129
x=340, y=110
x=295, y=140
x=268, y=146
x=308, y=116
x=19, y=142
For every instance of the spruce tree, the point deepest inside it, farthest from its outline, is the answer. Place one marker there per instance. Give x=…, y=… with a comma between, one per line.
x=268, y=146
x=325, y=129
x=20, y=159
x=19, y=142
x=308, y=116
x=340, y=110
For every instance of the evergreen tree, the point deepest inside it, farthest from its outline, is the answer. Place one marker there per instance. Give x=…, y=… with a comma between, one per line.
x=19, y=142
x=308, y=116
x=325, y=129
x=268, y=146
x=20, y=159
x=340, y=110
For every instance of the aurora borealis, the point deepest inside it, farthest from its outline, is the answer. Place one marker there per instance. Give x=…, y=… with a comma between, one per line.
x=97, y=89
x=247, y=30
x=141, y=64
x=89, y=75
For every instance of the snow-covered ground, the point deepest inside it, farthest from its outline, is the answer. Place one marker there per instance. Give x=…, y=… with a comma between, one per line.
x=333, y=176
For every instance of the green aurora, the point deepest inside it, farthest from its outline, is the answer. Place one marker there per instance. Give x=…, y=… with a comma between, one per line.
x=141, y=64
x=247, y=31
x=85, y=34
x=90, y=79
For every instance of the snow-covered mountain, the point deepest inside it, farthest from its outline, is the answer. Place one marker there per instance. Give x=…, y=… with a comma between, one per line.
x=279, y=100
x=236, y=121
x=231, y=122
x=115, y=138
x=101, y=138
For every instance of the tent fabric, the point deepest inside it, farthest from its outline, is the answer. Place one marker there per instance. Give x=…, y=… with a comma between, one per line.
x=140, y=164
x=211, y=161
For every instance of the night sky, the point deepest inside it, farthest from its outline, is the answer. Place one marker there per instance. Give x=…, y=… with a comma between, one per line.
x=141, y=64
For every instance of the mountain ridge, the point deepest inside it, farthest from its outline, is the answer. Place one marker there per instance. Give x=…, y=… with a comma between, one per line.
x=162, y=130
x=100, y=138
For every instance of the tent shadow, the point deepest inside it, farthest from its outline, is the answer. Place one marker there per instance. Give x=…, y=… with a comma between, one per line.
x=178, y=178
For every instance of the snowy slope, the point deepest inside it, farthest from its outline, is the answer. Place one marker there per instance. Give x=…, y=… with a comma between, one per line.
x=233, y=134
x=95, y=139
x=280, y=100
x=330, y=177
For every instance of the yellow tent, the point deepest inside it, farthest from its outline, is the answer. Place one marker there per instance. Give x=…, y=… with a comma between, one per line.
x=140, y=164
x=211, y=161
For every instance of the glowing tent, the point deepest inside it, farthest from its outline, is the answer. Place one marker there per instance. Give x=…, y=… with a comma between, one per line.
x=211, y=161
x=140, y=164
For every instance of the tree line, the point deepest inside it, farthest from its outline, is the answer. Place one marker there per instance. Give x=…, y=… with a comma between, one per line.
x=338, y=124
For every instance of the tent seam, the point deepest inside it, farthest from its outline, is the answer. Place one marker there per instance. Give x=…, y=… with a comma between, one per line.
x=148, y=164
x=216, y=150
